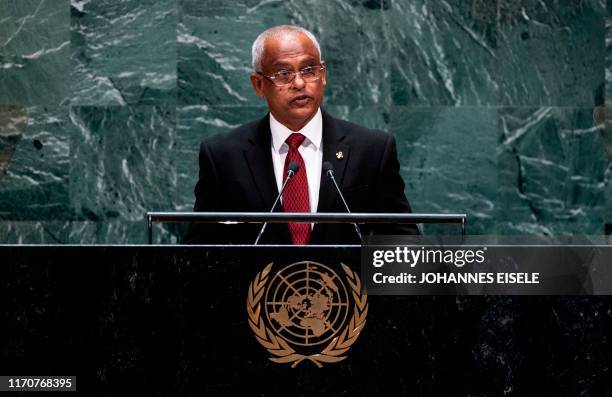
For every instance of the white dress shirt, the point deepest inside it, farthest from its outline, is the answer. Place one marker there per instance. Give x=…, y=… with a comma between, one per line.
x=311, y=150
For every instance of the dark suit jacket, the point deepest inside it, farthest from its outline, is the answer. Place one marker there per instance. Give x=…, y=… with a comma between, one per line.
x=236, y=174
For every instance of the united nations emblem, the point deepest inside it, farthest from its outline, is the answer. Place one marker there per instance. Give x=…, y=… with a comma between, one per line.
x=306, y=312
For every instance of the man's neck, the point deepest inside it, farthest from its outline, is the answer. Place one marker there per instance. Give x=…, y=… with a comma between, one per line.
x=313, y=130
x=294, y=125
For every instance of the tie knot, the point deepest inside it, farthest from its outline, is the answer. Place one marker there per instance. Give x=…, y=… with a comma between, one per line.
x=295, y=140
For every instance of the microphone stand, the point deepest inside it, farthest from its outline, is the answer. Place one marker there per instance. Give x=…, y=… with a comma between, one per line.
x=292, y=169
x=330, y=173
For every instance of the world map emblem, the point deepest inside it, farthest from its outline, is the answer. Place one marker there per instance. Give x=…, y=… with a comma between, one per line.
x=307, y=312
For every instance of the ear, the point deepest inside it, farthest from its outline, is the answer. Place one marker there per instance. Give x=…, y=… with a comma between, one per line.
x=324, y=76
x=258, y=84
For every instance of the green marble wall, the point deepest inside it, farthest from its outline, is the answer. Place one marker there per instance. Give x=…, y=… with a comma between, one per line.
x=499, y=106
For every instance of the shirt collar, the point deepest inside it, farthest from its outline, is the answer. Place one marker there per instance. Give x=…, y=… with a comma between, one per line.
x=313, y=131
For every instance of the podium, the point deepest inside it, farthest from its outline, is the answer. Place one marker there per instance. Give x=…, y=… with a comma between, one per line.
x=174, y=320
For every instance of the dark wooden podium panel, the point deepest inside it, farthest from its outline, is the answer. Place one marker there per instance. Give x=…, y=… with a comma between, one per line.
x=163, y=320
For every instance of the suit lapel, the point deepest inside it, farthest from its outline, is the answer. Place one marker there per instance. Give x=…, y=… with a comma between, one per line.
x=337, y=153
x=259, y=159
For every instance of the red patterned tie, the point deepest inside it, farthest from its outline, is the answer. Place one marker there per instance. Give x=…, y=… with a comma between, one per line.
x=295, y=196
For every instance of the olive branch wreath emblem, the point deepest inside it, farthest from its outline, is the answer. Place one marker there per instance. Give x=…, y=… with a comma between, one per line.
x=284, y=354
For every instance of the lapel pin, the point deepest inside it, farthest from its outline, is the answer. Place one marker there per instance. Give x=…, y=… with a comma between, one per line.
x=339, y=155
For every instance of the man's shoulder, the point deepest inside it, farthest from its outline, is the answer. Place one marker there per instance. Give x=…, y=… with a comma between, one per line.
x=360, y=133
x=234, y=138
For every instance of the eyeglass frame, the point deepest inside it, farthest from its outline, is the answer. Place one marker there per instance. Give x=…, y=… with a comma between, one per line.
x=273, y=77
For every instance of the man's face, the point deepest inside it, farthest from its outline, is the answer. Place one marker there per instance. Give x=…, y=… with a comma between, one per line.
x=296, y=103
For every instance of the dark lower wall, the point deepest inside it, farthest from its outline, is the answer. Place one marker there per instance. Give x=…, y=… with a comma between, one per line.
x=161, y=321
x=498, y=106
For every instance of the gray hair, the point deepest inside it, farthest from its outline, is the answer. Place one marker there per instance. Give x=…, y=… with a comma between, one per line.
x=277, y=31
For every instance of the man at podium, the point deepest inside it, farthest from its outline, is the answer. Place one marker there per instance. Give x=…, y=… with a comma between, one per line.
x=296, y=144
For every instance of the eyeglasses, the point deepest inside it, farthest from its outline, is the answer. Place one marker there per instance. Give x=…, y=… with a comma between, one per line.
x=284, y=77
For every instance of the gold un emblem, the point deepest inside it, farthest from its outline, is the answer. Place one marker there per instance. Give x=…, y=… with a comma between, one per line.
x=306, y=312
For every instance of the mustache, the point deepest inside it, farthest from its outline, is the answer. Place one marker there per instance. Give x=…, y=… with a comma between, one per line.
x=303, y=96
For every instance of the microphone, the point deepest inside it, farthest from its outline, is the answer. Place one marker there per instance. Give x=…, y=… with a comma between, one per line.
x=292, y=169
x=328, y=168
